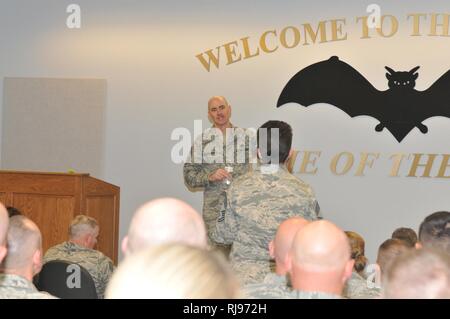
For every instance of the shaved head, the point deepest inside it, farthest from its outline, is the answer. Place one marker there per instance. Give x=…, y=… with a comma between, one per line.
x=217, y=98
x=4, y=221
x=219, y=111
x=320, y=258
x=24, y=240
x=281, y=245
x=162, y=221
x=320, y=246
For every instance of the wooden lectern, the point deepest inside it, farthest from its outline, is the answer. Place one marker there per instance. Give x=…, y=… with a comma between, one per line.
x=52, y=200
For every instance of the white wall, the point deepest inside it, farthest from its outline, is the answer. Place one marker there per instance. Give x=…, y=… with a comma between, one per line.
x=146, y=51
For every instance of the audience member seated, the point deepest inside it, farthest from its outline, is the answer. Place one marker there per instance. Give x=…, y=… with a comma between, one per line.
x=83, y=233
x=434, y=232
x=320, y=261
x=388, y=251
x=3, y=231
x=357, y=246
x=12, y=211
x=277, y=285
x=419, y=274
x=162, y=221
x=23, y=261
x=406, y=234
x=173, y=271
x=357, y=286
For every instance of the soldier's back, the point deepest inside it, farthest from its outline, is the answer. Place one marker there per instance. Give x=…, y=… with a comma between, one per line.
x=272, y=287
x=17, y=287
x=261, y=201
x=99, y=266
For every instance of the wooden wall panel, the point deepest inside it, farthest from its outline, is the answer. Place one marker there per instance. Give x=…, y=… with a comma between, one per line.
x=100, y=208
x=3, y=199
x=52, y=214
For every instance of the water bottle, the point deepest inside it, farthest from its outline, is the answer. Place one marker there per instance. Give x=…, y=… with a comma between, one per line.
x=229, y=169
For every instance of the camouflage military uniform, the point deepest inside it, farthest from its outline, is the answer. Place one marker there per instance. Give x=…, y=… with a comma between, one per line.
x=297, y=294
x=196, y=172
x=256, y=204
x=273, y=287
x=98, y=265
x=356, y=288
x=17, y=287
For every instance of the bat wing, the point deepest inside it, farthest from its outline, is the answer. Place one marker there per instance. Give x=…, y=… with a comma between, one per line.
x=436, y=100
x=334, y=82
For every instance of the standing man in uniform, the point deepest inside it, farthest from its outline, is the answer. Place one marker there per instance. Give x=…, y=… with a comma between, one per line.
x=257, y=203
x=211, y=167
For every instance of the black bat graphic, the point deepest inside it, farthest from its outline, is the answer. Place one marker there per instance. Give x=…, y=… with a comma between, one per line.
x=399, y=109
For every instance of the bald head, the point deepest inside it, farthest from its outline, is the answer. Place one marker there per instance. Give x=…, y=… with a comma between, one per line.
x=217, y=99
x=24, y=242
x=219, y=111
x=4, y=222
x=162, y=221
x=281, y=245
x=320, y=245
x=320, y=258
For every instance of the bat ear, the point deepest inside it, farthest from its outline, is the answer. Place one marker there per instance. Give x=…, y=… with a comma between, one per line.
x=414, y=70
x=389, y=70
x=388, y=76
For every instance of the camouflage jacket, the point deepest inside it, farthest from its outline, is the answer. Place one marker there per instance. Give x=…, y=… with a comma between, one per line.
x=17, y=287
x=255, y=205
x=273, y=287
x=297, y=294
x=204, y=161
x=356, y=287
x=98, y=265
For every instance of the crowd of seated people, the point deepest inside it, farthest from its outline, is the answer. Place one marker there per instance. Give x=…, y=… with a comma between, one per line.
x=281, y=247
x=167, y=256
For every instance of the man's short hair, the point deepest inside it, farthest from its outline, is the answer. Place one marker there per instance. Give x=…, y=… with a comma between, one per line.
x=389, y=250
x=419, y=273
x=12, y=211
x=434, y=232
x=81, y=225
x=24, y=239
x=284, y=143
x=406, y=234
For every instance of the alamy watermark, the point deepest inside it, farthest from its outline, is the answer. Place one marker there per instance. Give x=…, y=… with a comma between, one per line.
x=73, y=21
x=240, y=145
x=74, y=279
x=374, y=18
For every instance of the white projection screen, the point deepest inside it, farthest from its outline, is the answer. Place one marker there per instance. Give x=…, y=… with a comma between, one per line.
x=54, y=125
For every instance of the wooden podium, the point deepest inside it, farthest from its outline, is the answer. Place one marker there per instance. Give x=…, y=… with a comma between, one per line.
x=52, y=200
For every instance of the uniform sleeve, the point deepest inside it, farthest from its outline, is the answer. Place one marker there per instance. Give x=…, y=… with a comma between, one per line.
x=195, y=175
x=315, y=207
x=226, y=225
x=106, y=271
x=194, y=171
